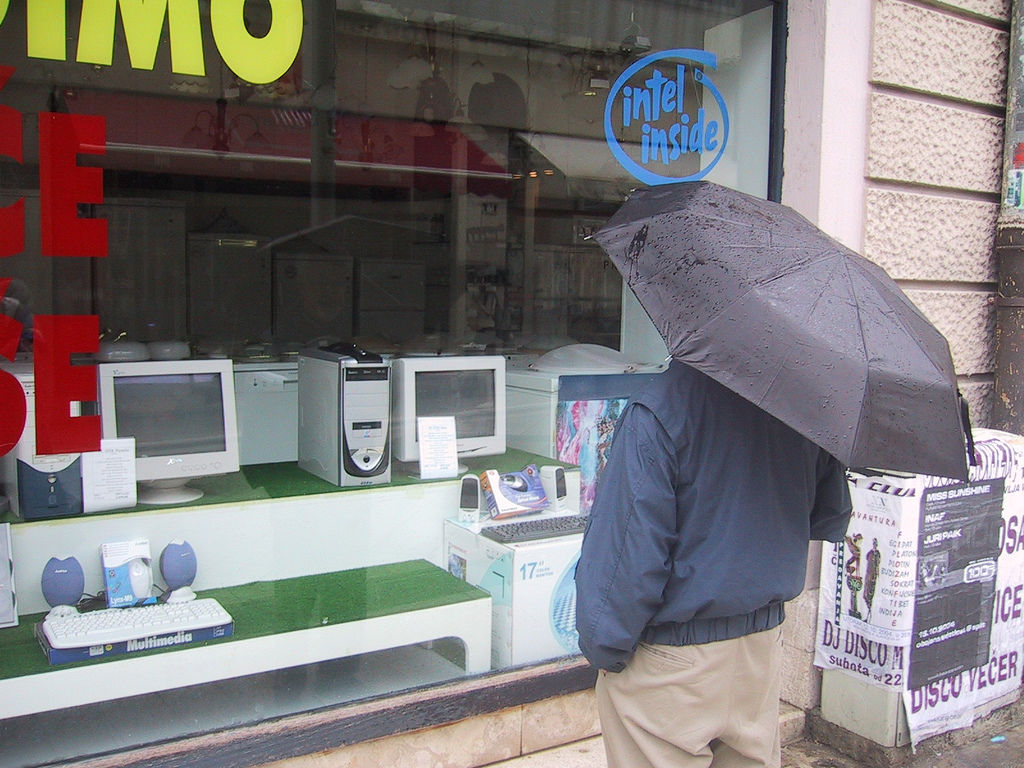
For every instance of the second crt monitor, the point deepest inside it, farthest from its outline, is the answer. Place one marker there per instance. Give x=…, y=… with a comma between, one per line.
x=182, y=416
x=470, y=388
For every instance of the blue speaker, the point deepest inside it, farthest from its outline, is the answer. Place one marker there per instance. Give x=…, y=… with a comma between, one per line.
x=63, y=581
x=178, y=567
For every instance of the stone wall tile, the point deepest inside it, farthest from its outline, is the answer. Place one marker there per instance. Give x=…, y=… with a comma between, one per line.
x=801, y=682
x=926, y=237
x=967, y=320
x=997, y=10
x=978, y=395
x=922, y=143
x=475, y=741
x=925, y=50
x=561, y=720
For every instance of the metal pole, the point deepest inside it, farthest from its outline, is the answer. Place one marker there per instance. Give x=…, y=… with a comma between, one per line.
x=1008, y=408
x=776, y=123
x=320, y=63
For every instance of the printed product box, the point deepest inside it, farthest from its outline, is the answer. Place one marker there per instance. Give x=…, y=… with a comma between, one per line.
x=127, y=573
x=513, y=493
x=532, y=587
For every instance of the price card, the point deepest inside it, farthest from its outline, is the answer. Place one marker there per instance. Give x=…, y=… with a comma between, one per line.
x=438, y=454
x=108, y=476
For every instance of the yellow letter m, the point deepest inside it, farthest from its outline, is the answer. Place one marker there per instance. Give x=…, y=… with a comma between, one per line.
x=143, y=22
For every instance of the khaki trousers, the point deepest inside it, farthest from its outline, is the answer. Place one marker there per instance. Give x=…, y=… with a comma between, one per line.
x=695, y=706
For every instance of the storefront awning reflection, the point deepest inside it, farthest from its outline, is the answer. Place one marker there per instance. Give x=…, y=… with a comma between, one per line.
x=585, y=163
x=157, y=135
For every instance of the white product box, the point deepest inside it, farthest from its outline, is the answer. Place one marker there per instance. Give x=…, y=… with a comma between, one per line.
x=8, y=599
x=511, y=494
x=533, y=591
x=127, y=574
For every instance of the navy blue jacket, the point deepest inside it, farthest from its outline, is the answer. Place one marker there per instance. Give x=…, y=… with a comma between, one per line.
x=700, y=527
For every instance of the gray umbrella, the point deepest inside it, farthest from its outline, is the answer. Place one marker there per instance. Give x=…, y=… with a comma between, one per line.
x=760, y=299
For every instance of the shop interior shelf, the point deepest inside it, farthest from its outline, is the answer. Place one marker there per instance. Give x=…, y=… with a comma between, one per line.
x=285, y=479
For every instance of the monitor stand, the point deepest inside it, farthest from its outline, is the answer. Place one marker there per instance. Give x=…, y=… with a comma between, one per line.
x=160, y=492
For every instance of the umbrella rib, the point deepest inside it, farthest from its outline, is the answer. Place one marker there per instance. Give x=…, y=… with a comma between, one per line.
x=813, y=306
x=913, y=336
x=864, y=349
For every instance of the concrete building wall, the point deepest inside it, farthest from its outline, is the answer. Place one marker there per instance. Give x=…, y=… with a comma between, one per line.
x=933, y=170
x=894, y=136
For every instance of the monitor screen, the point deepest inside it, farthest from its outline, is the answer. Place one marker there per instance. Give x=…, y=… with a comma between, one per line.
x=466, y=395
x=171, y=414
x=470, y=388
x=181, y=414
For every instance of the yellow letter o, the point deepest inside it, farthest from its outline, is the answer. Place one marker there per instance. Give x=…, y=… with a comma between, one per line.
x=256, y=59
x=4, y=5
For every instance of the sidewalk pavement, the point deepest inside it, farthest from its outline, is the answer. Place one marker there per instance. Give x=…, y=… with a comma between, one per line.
x=1005, y=750
x=589, y=753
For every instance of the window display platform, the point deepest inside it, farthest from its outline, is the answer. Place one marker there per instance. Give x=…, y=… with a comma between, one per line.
x=278, y=624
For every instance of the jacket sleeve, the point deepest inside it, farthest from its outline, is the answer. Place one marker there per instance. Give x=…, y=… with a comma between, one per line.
x=625, y=559
x=832, y=507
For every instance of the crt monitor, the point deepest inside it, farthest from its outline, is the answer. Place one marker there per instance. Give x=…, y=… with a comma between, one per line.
x=470, y=388
x=182, y=416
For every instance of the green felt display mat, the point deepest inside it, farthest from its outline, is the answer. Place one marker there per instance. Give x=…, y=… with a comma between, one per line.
x=284, y=480
x=274, y=607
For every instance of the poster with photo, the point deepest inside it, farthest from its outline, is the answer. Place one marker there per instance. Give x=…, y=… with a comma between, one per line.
x=956, y=578
x=866, y=608
x=583, y=435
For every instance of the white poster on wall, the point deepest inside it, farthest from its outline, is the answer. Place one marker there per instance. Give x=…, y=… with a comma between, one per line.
x=866, y=615
x=925, y=597
x=955, y=700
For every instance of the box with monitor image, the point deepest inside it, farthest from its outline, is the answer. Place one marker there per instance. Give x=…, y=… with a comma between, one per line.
x=532, y=587
x=531, y=582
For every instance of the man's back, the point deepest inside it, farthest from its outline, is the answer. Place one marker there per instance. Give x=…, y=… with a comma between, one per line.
x=702, y=518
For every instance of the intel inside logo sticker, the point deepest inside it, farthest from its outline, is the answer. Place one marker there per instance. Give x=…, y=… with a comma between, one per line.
x=665, y=120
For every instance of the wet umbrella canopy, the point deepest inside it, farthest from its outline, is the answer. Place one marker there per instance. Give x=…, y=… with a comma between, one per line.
x=760, y=299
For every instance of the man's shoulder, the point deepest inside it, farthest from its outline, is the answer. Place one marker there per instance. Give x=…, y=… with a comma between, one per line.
x=671, y=391
x=677, y=378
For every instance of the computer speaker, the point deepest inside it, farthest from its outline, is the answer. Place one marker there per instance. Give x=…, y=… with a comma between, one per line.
x=178, y=567
x=552, y=478
x=469, y=499
x=63, y=581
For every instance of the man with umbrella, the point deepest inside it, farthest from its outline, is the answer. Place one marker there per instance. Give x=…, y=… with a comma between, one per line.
x=792, y=358
x=698, y=535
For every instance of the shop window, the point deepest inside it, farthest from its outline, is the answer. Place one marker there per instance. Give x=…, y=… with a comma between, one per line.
x=418, y=180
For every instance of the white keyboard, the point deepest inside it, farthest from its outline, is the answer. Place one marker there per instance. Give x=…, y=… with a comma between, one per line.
x=118, y=625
